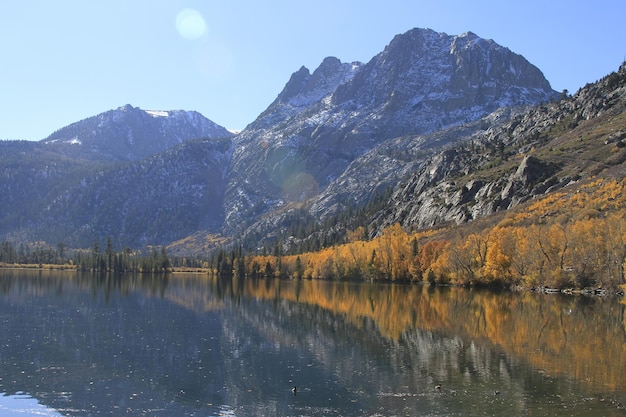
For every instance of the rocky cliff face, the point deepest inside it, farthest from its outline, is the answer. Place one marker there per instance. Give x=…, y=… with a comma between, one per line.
x=392, y=162
x=321, y=123
x=535, y=152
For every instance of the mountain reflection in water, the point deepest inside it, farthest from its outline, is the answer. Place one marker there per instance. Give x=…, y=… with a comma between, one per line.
x=192, y=345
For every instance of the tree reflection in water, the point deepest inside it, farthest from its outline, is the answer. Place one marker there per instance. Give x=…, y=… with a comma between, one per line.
x=195, y=345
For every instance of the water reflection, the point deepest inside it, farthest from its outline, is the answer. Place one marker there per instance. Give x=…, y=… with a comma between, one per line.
x=194, y=345
x=23, y=405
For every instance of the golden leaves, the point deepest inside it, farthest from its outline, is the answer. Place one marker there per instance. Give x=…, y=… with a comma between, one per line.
x=567, y=239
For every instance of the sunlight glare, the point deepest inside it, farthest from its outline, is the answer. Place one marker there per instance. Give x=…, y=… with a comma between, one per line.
x=190, y=24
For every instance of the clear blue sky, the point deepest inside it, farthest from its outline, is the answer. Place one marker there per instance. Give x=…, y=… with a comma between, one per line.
x=65, y=60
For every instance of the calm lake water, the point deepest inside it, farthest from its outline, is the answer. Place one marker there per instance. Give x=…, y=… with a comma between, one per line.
x=187, y=345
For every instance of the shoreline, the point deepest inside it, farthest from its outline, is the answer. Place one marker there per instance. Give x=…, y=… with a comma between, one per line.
x=597, y=292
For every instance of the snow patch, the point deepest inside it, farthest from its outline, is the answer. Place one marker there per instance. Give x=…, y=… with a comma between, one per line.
x=157, y=113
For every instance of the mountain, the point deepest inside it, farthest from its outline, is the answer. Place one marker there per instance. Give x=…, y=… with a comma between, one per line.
x=534, y=153
x=31, y=177
x=397, y=139
x=149, y=202
x=467, y=172
x=80, y=183
x=320, y=123
x=129, y=133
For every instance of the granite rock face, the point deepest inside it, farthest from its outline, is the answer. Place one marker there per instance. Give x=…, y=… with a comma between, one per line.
x=449, y=186
x=311, y=137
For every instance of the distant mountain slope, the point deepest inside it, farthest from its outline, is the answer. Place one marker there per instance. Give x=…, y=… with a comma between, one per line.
x=149, y=202
x=38, y=178
x=31, y=177
x=129, y=133
x=423, y=81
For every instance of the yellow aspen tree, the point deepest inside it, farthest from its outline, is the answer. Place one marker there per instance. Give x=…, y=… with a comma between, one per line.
x=525, y=257
x=441, y=266
x=478, y=244
x=430, y=252
x=497, y=267
x=554, y=244
x=615, y=230
x=586, y=248
x=462, y=259
x=400, y=252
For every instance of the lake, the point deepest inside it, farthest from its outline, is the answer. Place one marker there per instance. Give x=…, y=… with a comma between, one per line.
x=81, y=344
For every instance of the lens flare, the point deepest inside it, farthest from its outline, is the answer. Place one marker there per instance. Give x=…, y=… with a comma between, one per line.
x=190, y=24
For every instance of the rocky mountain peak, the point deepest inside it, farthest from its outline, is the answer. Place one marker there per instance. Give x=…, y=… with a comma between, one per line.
x=421, y=82
x=129, y=133
x=126, y=108
x=461, y=72
x=304, y=88
x=295, y=85
x=493, y=73
x=412, y=61
x=414, y=41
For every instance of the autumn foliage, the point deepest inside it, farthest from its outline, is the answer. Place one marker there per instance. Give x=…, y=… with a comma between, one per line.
x=574, y=239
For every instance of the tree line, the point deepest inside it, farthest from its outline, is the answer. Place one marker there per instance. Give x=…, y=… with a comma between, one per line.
x=32, y=253
x=567, y=239
x=101, y=258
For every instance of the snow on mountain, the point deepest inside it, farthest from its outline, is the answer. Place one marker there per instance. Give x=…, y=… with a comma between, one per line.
x=129, y=133
x=157, y=113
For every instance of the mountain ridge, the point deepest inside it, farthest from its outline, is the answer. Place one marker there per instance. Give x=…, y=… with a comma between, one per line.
x=332, y=141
